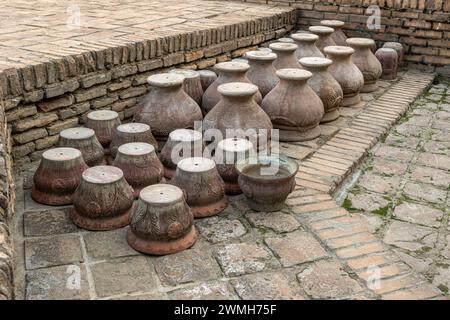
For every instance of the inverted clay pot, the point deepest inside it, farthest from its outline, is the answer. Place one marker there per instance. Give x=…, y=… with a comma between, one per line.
x=398, y=47
x=286, y=56
x=132, y=132
x=266, y=181
x=293, y=107
x=58, y=176
x=162, y=222
x=167, y=107
x=103, y=122
x=346, y=73
x=192, y=83
x=103, y=200
x=207, y=77
x=338, y=35
x=306, y=43
x=366, y=61
x=324, y=34
x=204, y=188
x=389, y=62
x=228, y=153
x=262, y=73
x=228, y=72
x=324, y=85
x=182, y=143
x=140, y=165
x=83, y=139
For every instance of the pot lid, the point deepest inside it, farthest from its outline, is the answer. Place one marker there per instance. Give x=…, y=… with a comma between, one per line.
x=163, y=80
x=305, y=37
x=61, y=154
x=261, y=55
x=237, y=89
x=102, y=174
x=285, y=40
x=332, y=23
x=187, y=73
x=79, y=133
x=185, y=135
x=100, y=115
x=134, y=127
x=136, y=148
x=196, y=164
x=283, y=46
x=339, y=50
x=232, y=66
x=293, y=74
x=161, y=194
x=315, y=62
x=360, y=42
x=321, y=30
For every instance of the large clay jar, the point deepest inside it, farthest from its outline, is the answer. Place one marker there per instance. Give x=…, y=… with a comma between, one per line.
x=228, y=153
x=228, y=72
x=58, y=176
x=204, y=188
x=306, y=43
x=389, y=62
x=140, y=165
x=162, y=222
x=103, y=200
x=294, y=108
x=398, y=47
x=182, y=144
x=192, y=84
x=207, y=77
x=83, y=139
x=324, y=34
x=262, y=72
x=366, y=61
x=103, y=122
x=132, y=132
x=286, y=57
x=326, y=87
x=167, y=107
x=346, y=73
x=338, y=35
x=266, y=181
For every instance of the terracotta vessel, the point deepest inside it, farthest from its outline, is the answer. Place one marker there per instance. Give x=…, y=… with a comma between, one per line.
x=58, y=176
x=207, y=77
x=338, y=35
x=132, y=132
x=83, y=139
x=162, y=222
x=398, y=47
x=204, y=188
x=228, y=72
x=182, y=143
x=103, y=122
x=294, y=108
x=192, y=84
x=286, y=57
x=262, y=73
x=140, y=165
x=324, y=85
x=266, y=181
x=324, y=33
x=228, y=152
x=346, y=73
x=389, y=62
x=306, y=43
x=366, y=61
x=167, y=107
x=103, y=200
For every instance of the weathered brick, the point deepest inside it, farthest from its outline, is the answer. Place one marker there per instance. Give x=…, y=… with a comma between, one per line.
x=119, y=85
x=149, y=65
x=21, y=112
x=103, y=102
x=436, y=60
x=33, y=96
x=91, y=80
x=60, y=88
x=172, y=59
x=133, y=92
x=418, y=24
x=193, y=55
x=124, y=71
x=206, y=63
x=29, y=135
x=122, y=105
x=74, y=110
x=61, y=125
x=23, y=150
x=57, y=103
x=89, y=94
x=39, y=120
x=46, y=142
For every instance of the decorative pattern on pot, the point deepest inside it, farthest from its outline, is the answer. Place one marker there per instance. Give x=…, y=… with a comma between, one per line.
x=306, y=43
x=346, y=73
x=286, y=57
x=324, y=34
x=132, y=132
x=294, y=108
x=398, y=47
x=140, y=165
x=338, y=35
x=389, y=62
x=58, y=176
x=207, y=77
x=103, y=200
x=103, y=122
x=83, y=139
x=192, y=84
x=262, y=73
x=162, y=222
x=324, y=85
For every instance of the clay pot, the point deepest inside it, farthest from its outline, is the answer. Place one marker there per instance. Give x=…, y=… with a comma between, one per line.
x=366, y=61
x=204, y=188
x=167, y=107
x=324, y=85
x=192, y=83
x=262, y=73
x=398, y=47
x=306, y=43
x=131, y=132
x=103, y=122
x=266, y=181
x=103, y=200
x=182, y=143
x=58, y=176
x=324, y=33
x=228, y=152
x=294, y=108
x=389, y=62
x=140, y=165
x=346, y=73
x=338, y=35
x=286, y=57
x=162, y=222
x=228, y=72
x=83, y=139
x=207, y=77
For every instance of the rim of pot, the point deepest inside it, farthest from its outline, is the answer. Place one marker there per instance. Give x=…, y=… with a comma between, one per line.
x=232, y=66
x=187, y=73
x=102, y=174
x=237, y=89
x=136, y=149
x=360, y=42
x=293, y=74
x=196, y=164
x=321, y=30
x=315, y=62
x=185, y=135
x=291, y=165
x=133, y=127
x=77, y=133
x=164, y=80
x=206, y=72
x=161, y=194
x=339, y=50
x=332, y=23
x=306, y=37
x=101, y=115
x=61, y=154
x=285, y=40
x=261, y=55
x=393, y=45
x=283, y=46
